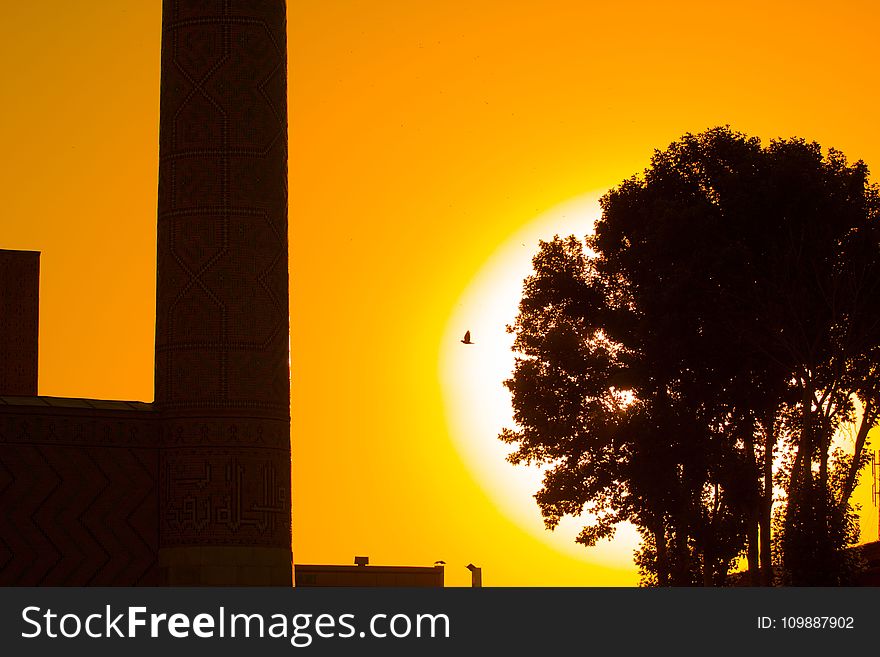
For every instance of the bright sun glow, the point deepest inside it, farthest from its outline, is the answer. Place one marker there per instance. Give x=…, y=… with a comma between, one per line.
x=478, y=404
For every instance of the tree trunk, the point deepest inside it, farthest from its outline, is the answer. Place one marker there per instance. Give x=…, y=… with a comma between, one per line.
x=806, y=477
x=681, y=567
x=801, y=482
x=754, y=513
x=869, y=417
x=767, y=501
x=754, y=575
x=662, y=564
x=825, y=446
x=708, y=579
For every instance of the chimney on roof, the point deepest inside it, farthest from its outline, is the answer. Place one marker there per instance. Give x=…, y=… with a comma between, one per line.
x=476, y=575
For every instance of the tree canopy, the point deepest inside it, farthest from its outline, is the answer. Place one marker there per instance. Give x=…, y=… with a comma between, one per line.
x=691, y=362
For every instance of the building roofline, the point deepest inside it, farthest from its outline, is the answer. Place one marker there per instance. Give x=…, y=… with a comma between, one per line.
x=42, y=401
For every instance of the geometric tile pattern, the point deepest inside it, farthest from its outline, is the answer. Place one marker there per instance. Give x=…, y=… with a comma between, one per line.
x=222, y=367
x=222, y=288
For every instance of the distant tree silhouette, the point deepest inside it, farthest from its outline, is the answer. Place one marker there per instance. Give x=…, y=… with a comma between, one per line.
x=723, y=326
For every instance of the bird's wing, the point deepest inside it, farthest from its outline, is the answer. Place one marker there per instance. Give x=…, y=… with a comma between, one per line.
x=467, y=336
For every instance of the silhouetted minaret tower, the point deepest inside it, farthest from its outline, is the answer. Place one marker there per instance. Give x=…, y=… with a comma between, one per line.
x=222, y=365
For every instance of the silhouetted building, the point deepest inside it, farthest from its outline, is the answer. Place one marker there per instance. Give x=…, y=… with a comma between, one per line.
x=193, y=489
x=368, y=576
x=19, y=321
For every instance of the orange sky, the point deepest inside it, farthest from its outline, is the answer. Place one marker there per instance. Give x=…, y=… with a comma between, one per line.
x=423, y=136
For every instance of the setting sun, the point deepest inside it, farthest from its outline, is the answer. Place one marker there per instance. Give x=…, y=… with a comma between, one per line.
x=478, y=404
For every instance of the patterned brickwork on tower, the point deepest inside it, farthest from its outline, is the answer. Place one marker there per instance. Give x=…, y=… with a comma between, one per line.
x=222, y=364
x=19, y=321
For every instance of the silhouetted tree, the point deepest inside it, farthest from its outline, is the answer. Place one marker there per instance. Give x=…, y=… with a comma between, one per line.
x=727, y=313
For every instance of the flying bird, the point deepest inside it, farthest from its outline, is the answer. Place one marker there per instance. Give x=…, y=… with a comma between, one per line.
x=467, y=338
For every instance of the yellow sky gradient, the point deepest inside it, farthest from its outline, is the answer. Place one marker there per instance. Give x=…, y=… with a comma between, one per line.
x=423, y=136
